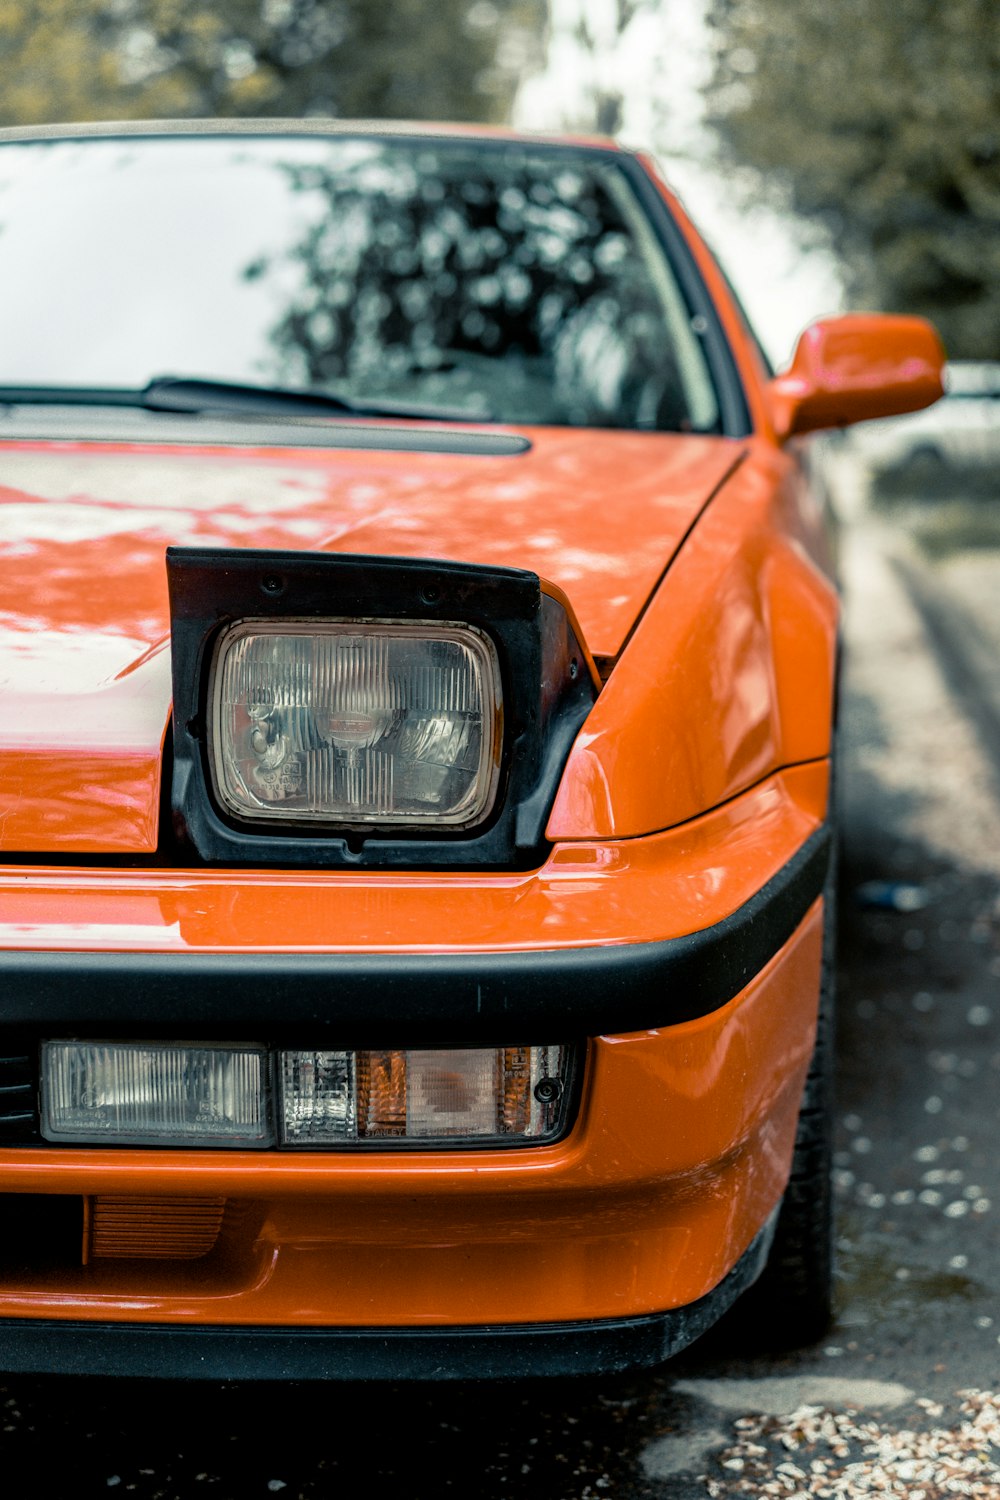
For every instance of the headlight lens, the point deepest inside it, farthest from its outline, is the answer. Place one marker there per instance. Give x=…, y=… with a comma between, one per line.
x=355, y=722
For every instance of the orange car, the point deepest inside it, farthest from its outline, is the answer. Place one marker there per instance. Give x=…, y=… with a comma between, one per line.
x=419, y=651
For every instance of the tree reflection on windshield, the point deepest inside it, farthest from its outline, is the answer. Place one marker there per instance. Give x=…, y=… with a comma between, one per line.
x=489, y=278
x=500, y=283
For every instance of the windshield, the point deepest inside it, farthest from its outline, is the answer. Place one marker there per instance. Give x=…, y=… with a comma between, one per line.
x=505, y=282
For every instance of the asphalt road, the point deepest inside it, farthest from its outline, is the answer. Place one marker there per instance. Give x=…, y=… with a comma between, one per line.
x=918, y=1184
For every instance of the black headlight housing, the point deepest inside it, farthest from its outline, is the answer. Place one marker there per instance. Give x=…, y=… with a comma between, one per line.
x=547, y=685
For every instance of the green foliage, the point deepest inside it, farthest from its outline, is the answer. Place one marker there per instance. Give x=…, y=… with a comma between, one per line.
x=145, y=59
x=881, y=119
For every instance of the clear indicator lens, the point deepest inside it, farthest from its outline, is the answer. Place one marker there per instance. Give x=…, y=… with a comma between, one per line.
x=157, y=1094
x=135, y=1093
x=448, y=1095
x=351, y=723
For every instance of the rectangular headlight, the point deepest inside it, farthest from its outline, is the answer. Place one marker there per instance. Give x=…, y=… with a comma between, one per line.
x=158, y=1094
x=446, y=1096
x=355, y=722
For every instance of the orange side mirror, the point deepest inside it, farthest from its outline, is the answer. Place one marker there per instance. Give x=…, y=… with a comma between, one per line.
x=854, y=367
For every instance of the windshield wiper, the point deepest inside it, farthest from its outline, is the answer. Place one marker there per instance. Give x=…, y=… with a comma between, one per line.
x=194, y=397
x=182, y=393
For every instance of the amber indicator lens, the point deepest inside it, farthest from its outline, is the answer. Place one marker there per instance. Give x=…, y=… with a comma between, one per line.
x=355, y=723
x=454, y=1096
x=155, y=1094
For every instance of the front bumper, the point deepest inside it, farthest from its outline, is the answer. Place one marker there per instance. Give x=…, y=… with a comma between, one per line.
x=498, y=1352
x=418, y=999
x=698, y=1046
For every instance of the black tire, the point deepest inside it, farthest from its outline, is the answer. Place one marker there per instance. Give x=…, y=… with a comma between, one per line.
x=791, y=1303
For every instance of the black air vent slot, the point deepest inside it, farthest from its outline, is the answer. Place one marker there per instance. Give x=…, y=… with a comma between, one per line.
x=18, y=1096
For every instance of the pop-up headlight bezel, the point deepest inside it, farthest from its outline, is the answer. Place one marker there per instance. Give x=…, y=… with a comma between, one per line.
x=541, y=680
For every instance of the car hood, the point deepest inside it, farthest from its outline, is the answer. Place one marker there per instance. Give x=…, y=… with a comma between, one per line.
x=84, y=659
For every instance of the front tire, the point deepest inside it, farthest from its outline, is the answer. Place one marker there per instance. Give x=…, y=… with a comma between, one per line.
x=791, y=1303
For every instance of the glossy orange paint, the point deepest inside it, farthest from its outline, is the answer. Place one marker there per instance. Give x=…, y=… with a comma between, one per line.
x=617, y=1220
x=87, y=695
x=102, y=792
x=729, y=673
x=701, y=771
x=585, y=894
x=858, y=366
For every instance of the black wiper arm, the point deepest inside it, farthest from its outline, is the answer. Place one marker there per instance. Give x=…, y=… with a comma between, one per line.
x=171, y=393
x=70, y=395
x=189, y=394
x=184, y=394
x=193, y=396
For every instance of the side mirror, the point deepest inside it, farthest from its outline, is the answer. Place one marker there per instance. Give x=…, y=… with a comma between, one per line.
x=854, y=367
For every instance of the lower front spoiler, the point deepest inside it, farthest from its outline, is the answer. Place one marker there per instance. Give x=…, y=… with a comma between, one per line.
x=607, y=1346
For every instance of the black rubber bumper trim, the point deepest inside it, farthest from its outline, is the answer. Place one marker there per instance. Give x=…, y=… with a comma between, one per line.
x=414, y=999
x=495, y=1352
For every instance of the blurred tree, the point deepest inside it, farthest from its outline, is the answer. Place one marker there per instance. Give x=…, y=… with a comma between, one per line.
x=143, y=59
x=600, y=32
x=881, y=119
x=590, y=68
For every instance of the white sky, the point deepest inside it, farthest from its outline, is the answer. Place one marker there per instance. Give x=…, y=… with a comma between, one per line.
x=658, y=66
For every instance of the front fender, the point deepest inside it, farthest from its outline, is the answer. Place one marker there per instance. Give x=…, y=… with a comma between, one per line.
x=728, y=676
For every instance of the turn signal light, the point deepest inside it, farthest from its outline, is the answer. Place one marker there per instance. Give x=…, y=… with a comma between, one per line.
x=469, y=1095
x=186, y=1094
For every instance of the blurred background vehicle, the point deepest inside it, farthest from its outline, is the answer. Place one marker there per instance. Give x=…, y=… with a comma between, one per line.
x=962, y=431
